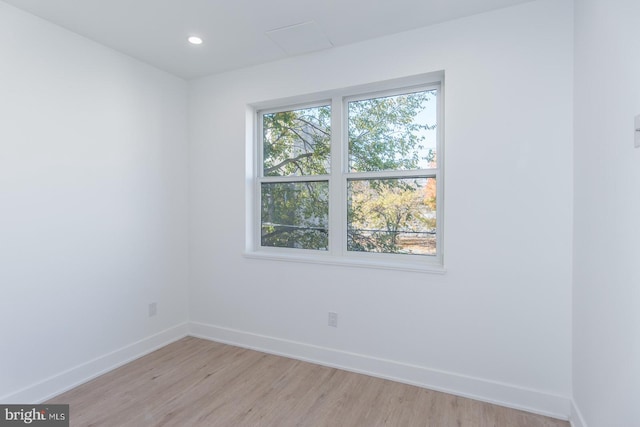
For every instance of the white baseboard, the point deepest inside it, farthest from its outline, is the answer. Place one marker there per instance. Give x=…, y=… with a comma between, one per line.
x=576, y=418
x=461, y=385
x=475, y=388
x=80, y=374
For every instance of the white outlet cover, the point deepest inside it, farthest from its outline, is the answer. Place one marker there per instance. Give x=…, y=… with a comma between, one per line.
x=637, y=131
x=333, y=319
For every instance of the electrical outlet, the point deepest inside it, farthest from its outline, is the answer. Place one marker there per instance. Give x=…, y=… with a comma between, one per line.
x=153, y=309
x=333, y=319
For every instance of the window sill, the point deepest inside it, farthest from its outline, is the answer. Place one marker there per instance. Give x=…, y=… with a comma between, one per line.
x=430, y=268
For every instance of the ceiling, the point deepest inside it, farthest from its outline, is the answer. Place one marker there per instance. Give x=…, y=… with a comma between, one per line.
x=238, y=33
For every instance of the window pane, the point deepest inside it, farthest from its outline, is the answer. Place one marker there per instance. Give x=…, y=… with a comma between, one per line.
x=295, y=215
x=297, y=142
x=393, y=133
x=392, y=216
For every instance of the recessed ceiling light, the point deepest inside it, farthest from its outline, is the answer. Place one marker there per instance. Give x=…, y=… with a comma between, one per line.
x=194, y=40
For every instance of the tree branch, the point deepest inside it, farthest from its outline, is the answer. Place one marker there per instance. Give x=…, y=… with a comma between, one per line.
x=285, y=162
x=313, y=125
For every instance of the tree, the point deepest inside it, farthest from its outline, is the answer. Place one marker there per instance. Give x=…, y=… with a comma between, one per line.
x=385, y=135
x=382, y=211
x=297, y=142
x=295, y=215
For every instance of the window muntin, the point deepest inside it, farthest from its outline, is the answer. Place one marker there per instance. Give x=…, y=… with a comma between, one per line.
x=411, y=162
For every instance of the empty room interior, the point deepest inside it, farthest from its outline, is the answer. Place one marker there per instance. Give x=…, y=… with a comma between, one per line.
x=160, y=210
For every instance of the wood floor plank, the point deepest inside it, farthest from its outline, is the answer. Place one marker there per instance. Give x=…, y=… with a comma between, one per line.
x=195, y=382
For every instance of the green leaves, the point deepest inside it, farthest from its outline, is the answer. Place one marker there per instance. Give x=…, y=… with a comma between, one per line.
x=295, y=214
x=297, y=142
x=392, y=215
x=388, y=133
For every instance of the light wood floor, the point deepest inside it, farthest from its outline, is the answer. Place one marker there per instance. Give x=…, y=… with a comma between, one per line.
x=195, y=382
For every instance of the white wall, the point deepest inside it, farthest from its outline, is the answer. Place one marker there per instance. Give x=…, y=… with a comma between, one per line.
x=93, y=207
x=606, y=352
x=497, y=325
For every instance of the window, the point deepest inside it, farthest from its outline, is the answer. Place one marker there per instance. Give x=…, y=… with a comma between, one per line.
x=353, y=177
x=296, y=164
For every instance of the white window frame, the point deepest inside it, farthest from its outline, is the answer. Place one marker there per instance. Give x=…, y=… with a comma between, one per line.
x=339, y=175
